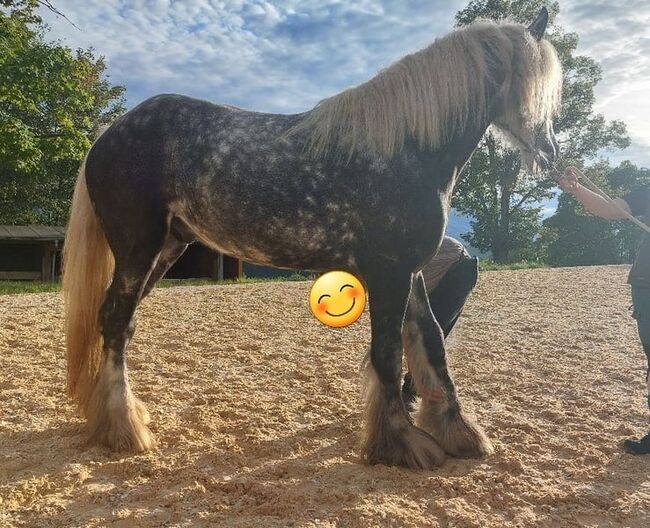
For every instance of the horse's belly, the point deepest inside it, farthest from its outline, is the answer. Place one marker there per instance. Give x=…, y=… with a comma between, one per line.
x=273, y=242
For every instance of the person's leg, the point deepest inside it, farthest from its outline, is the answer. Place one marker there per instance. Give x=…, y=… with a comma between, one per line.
x=646, y=349
x=447, y=301
x=641, y=300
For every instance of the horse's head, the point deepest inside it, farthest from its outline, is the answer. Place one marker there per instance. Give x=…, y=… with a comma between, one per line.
x=530, y=96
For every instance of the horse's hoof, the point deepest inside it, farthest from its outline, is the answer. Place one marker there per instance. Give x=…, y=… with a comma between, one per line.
x=457, y=434
x=408, y=447
x=118, y=420
x=122, y=433
x=389, y=436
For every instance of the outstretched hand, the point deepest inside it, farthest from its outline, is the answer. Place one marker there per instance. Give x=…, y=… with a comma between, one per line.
x=569, y=180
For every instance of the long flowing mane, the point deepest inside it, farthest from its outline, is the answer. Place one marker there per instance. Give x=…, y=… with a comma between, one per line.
x=439, y=91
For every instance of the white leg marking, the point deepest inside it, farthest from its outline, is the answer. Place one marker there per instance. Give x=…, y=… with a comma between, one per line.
x=424, y=376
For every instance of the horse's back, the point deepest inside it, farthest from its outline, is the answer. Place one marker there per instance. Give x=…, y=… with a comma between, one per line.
x=176, y=156
x=166, y=137
x=160, y=118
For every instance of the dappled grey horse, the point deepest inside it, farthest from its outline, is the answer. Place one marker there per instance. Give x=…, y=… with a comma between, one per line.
x=360, y=183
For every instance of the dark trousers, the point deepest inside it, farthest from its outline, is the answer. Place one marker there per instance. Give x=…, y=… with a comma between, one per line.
x=447, y=301
x=641, y=301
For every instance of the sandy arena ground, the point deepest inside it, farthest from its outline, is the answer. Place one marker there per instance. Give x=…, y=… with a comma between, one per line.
x=256, y=409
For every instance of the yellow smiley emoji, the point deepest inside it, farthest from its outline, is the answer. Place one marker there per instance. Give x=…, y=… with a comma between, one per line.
x=337, y=299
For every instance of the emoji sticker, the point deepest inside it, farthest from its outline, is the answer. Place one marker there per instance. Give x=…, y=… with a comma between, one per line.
x=337, y=299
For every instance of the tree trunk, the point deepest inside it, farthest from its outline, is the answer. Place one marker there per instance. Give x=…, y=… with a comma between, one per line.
x=502, y=243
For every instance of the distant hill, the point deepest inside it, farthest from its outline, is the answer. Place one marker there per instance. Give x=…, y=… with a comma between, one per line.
x=457, y=226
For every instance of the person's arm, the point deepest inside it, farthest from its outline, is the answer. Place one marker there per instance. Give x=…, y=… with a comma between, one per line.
x=593, y=202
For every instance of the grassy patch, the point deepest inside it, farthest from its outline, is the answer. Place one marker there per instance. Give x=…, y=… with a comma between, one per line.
x=8, y=287
x=489, y=265
x=12, y=287
x=170, y=283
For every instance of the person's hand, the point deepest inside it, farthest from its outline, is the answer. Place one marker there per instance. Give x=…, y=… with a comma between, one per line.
x=569, y=180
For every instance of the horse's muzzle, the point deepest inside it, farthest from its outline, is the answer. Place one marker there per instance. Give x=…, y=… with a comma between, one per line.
x=548, y=151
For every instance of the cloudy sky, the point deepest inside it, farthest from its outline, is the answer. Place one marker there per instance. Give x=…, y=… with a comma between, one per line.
x=286, y=56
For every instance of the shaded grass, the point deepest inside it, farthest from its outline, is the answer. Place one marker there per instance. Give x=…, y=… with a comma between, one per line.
x=170, y=283
x=9, y=287
x=490, y=265
x=13, y=287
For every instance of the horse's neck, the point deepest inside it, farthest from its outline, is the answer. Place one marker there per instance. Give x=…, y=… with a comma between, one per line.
x=458, y=150
x=446, y=163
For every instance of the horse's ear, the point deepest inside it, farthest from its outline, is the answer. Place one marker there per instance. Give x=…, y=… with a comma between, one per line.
x=538, y=26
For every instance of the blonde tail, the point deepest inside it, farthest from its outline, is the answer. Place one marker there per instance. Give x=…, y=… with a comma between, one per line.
x=87, y=269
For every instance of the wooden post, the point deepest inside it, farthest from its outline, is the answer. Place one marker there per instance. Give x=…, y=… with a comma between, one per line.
x=46, y=268
x=55, y=277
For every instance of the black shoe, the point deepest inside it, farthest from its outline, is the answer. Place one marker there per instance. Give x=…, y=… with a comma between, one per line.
x=638, y=447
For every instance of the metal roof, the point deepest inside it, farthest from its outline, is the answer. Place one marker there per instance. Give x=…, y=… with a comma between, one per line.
x=31, y=232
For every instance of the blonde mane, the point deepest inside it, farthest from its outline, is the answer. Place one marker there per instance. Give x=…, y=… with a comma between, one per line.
x=440, y=91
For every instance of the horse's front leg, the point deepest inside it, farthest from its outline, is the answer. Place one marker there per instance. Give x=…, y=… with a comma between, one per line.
x=425, y=352
x=389, y=436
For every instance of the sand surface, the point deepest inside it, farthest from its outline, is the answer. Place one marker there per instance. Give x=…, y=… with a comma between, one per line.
x=256, y=409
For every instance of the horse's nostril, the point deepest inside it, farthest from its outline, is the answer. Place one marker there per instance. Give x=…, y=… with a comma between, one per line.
x=556, y=147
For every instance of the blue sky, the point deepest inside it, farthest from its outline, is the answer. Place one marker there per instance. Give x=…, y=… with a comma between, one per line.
x=286, y=56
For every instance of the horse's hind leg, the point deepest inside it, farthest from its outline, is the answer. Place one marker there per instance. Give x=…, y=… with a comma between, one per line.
x=425, y=351
x=115, y=417
x=389, y=436
x=170, y=253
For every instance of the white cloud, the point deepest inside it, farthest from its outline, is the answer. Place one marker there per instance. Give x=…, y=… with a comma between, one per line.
x=280, y=57
x=638, y=152
x=617, y=35
x=286, y=56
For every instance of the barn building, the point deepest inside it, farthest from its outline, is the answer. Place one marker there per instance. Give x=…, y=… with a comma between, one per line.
x=200, y=262
x=30, y=252
x=34, y=253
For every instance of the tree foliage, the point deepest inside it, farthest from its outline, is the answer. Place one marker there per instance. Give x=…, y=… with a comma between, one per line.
x=503, y=200
x=575, y=238
x=52, y=103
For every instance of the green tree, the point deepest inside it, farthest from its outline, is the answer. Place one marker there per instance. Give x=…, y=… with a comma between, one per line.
x=503, y=200
x=574, y=237
x=52, y=103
